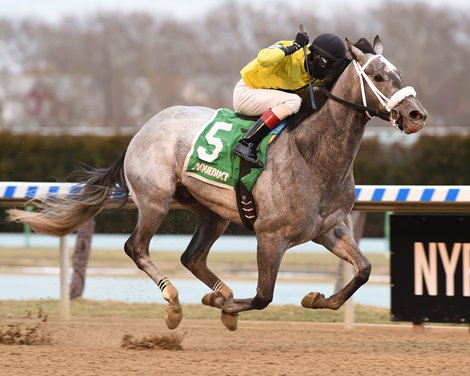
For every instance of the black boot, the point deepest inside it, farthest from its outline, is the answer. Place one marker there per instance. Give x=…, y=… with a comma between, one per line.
x=246, y=147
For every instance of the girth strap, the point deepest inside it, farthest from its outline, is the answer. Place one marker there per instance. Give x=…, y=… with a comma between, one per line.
x=245, y=201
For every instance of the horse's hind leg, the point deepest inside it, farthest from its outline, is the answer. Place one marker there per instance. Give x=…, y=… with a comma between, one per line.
x=137, y=248
x=340, y=242
x=210, y=227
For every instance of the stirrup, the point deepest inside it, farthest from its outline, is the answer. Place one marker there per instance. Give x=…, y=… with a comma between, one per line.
x=243, y=150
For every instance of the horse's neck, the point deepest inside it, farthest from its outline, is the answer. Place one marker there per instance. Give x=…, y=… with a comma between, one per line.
x=333, y=134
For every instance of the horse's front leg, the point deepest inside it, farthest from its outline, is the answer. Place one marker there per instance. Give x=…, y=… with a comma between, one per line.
x=270, y=251
x=340, y=242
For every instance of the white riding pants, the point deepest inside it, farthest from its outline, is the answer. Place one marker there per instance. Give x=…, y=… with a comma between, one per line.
x=255, y=102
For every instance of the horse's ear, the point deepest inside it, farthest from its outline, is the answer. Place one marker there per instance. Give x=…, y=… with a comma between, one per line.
x=355, y=52
x=378, y=45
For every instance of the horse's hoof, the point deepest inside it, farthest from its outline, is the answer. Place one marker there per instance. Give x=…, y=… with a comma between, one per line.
x=313, y=300
x=173, y=315
x=213, y=299
x=208, y=299
x=230, y=320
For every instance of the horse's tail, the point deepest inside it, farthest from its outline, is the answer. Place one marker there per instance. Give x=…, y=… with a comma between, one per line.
x=61, y=216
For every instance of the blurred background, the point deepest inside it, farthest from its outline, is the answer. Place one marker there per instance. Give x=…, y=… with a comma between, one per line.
x=103, y=64
x=79, y=78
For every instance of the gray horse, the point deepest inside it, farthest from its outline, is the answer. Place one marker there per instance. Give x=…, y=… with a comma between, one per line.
x=304, y=194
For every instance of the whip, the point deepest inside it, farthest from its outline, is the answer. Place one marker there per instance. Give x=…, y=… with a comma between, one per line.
x=310, y=87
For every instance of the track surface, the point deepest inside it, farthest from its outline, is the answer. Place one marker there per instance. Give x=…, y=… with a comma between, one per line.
x=86, y=347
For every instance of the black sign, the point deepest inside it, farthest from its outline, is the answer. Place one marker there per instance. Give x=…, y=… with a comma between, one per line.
x=430, y=268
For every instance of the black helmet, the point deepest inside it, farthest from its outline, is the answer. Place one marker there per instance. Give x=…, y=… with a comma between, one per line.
x=330, y=46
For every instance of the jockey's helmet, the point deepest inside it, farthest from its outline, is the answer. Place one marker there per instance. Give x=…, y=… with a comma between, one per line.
x=329, y=46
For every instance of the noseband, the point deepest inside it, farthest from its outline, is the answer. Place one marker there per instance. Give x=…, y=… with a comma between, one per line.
x=388, y=103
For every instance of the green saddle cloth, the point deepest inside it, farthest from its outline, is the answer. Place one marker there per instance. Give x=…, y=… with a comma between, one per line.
x=211, y=158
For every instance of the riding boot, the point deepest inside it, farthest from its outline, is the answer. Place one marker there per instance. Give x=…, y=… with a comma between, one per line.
x=246, y=148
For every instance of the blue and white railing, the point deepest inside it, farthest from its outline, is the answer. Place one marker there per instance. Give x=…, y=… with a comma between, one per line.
x=24, y=191
x=368, y=197
x=438, y=198
x=21, y=192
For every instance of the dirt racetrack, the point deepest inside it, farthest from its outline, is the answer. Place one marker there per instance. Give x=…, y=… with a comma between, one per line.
x=93, y=347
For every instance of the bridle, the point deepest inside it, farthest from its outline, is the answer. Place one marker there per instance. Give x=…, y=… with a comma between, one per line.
x=389, y=104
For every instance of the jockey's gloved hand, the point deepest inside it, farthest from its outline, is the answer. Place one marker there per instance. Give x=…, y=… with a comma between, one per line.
x=301, y=39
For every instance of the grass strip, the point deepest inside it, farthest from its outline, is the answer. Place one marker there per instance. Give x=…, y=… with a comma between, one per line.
x=113, y=309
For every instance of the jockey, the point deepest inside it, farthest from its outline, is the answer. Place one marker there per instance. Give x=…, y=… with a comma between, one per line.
x=267, y=84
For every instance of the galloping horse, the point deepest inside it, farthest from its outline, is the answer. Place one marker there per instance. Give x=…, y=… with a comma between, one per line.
x=304, y=193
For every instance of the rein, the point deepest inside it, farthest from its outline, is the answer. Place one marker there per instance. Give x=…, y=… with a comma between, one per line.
x=384, y=115
x=387, y=103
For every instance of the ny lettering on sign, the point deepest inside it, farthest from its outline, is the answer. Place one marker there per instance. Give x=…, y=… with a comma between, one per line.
x=426, y=267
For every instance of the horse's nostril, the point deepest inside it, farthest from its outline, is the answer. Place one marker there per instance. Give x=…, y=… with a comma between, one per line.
x=417, y=115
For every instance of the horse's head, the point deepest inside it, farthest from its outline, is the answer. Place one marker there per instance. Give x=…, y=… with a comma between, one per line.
x=382, y=87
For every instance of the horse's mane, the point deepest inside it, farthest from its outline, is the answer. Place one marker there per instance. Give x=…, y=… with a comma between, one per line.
x=364, y=45
x=306, y=109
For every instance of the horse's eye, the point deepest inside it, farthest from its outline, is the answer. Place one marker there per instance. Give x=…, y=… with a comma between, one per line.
x=378, y=78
